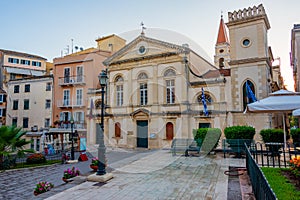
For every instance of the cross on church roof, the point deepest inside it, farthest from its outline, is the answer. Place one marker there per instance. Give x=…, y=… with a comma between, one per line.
x=143, y=28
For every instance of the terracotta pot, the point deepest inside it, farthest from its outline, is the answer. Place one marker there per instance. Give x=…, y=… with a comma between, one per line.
x=35, y=193
x=66, y=180
x=94, y=167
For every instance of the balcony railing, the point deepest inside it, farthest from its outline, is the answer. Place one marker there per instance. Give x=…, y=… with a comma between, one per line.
x=71, y=80
x=70, y=103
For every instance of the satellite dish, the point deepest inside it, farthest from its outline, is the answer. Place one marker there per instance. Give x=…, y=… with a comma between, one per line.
x=76, y=48
x=81, y=49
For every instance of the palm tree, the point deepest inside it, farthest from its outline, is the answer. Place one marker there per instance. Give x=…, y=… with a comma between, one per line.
x=11, y=142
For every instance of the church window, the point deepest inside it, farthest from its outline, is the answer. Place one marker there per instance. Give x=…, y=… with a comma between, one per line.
x=142, y=76
x=170, y=91
x=221, y=50
x=221, y=63
x=169, y=131
x=169, y=72
x=246, y=42
x=208, y=98
x=143, y=94
x=119, y=90
x=246, y=98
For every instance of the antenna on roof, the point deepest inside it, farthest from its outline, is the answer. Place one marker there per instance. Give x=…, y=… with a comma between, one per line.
x=72, y=45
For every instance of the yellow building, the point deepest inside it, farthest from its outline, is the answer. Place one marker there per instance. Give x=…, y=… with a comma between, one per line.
x=155, y=87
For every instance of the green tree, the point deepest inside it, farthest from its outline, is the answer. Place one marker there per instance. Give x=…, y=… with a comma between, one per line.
x=11, y=142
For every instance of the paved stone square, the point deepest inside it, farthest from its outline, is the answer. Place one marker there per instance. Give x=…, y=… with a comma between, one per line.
x=161, y=176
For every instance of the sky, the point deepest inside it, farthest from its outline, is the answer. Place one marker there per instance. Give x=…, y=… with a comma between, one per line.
x=46, y=28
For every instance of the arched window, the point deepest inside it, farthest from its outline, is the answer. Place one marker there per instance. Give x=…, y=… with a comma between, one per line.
x=207, y=96
x=170, y=86
x=221, y=63
x=246, y=96
x=119, y=90
x=169, y=72
x=117, y=129
x=169, y=131
x=142, y=75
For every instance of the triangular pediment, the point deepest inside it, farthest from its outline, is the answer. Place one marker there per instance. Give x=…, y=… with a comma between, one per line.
x=144, y=48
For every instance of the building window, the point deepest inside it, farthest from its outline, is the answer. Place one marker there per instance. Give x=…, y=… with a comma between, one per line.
x=13, y=60
x=66, y=75
x=79, y=118
x=79, y=97
x=207, y=97
x=27, y=88
x=48, y=87
x=25, y=122
x=79, y=74
x=32, y=144
x=170, y=91
x=169, y=131
x=47, y=123
x=16, y=89
x=26, y=104
x=48, y=104
x=1, y=112
x=117, y=130
x=25, y=62
x=37, y=144
x=36, y=64
x=143, y=94
x=246, y=97
x=12, y=76
x=15, y=121
x=15, y=105
x=119, y=88
x=221, y=63
x=1, y=98
x=66, y=97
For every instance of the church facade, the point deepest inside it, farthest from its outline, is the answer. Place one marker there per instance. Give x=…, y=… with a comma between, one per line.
x=157, y=90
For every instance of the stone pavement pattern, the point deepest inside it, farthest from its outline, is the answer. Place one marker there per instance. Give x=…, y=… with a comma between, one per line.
x=19, y=184
x=161, y=176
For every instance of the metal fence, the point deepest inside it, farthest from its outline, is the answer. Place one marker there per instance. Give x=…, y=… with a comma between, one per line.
x=273, y=154
x=13, y=160
x=265, y=154
x=260, y=185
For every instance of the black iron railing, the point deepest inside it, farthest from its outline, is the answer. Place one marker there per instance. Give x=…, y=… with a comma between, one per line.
x=260, y=185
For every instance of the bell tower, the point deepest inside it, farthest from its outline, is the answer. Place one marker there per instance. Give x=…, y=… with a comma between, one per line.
x=222, y=48
x=249, y=53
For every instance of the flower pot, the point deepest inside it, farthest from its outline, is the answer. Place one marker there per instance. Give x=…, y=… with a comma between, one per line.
x=94, y=167
x=66, y=180
x=35, y=193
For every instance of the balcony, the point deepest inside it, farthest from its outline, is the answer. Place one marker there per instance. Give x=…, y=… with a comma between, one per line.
x=71, y=80
x=65, y=127
x=70, y=103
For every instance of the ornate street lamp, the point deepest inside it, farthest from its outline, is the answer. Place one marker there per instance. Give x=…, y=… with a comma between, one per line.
x=72, y=137
x=101, y=148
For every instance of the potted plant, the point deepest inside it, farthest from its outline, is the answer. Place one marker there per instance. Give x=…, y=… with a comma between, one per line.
x=70, y=173
x=237, y=136
x=94, y=163
x=42, y=187
x=273, y=139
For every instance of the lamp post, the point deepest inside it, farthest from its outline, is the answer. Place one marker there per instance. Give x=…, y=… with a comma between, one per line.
x=72, y=138
x=101, y=148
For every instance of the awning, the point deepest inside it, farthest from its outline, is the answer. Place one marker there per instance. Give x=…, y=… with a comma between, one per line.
x=18, y=71
x=37, y=73
x=24, y=71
